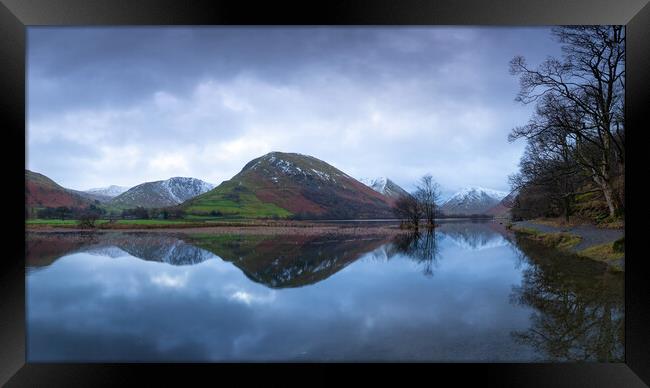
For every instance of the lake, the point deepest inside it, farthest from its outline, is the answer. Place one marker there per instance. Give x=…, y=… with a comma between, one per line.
x=469, y=292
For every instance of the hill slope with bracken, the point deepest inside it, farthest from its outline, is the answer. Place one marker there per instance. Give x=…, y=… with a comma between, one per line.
x=288, y=184
x=502, y=209
x=41, y=192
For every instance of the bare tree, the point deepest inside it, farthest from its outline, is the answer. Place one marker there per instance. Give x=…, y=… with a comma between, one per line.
x=548, y=170
x=428, y=195
x=408, y=209
x=582, y=96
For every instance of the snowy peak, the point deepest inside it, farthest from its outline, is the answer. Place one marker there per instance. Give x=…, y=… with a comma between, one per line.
x=377, y=184
x=473, y=200
x=181, y=189
x=169, y=192
x=281, y=165
x=110, y=191
x=384, y=186
x=478, y=192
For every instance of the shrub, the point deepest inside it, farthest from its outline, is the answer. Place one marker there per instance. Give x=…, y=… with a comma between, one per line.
x=619, y=245
x=87, y=220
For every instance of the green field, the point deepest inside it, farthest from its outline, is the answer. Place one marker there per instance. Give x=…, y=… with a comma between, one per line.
x=53, y=222
x=234, y=201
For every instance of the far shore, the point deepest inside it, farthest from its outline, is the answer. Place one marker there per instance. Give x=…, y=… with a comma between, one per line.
x=278, y=229
x=259, y=227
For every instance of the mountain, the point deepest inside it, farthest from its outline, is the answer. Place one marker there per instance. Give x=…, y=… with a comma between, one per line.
x=41, y=192
x=169, y=192
x=282, y=184
x=384, y=186
x=472, y=200
x=502, y=209
x=110, y=191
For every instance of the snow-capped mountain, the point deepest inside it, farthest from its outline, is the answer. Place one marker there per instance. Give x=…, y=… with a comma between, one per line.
x=472, y=200
x=385, y=186
x=169, y=192
x=110, y=191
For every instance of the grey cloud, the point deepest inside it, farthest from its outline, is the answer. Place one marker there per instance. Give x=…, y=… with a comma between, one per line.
x=441, y=100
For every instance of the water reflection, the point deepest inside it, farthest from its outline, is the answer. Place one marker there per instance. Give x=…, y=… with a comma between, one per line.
x=290, y=261
x=485, y=296
x=42, y=249
x=419, y=247
x=578, y=307
x=474, y=236
x=275, y=261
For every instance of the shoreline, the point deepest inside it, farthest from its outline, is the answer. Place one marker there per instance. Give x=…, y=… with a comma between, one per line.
x=242, y=230
x=260, y=227
x=605, y=245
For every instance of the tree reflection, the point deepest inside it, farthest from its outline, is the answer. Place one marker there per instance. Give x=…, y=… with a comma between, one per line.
x=419, y=247
x=578, y=307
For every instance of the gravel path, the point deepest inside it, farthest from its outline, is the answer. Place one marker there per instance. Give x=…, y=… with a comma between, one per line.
x=590, y=234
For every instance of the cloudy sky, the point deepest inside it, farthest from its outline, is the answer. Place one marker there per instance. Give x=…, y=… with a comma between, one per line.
x=129, y=105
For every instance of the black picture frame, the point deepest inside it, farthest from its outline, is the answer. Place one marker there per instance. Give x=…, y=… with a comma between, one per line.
x=16, y=15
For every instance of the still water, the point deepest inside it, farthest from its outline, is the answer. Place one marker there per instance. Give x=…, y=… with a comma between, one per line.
x=468, y=292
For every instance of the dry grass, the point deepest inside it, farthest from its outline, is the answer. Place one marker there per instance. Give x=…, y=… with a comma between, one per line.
x=601, y=252
x=616, y=224
x=560, y=222
x=260, y=229
x=560, y=240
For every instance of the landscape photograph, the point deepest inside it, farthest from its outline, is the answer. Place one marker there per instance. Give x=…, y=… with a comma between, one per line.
x=325, y=194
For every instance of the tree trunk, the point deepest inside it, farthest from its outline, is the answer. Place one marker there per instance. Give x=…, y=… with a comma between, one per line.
x=566, y=209
x=609, y=198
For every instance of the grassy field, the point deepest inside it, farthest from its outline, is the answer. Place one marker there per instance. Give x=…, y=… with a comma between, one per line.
x=232, y=200
x=53, y=222
x=248, y=207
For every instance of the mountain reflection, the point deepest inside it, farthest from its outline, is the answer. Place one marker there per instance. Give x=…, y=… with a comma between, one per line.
x=578, y=307
x=277, y=261
x=473, y=236
x=290, y=261
x=43, y=249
